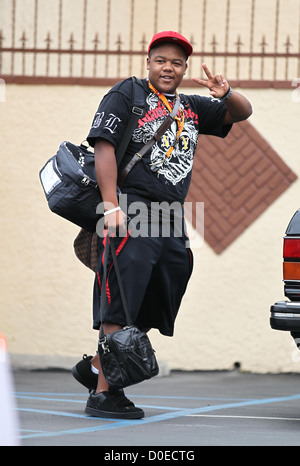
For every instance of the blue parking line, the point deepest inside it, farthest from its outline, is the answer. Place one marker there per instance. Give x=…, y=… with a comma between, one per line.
x=163, y=417
x=131, y=395
x=54, y=413
x=42, y=398
x=64, y=400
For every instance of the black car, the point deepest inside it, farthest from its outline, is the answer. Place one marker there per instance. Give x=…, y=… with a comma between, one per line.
x=285, y=315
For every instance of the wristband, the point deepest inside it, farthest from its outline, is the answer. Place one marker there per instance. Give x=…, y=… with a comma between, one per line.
x=112, y=210
x=227, y=95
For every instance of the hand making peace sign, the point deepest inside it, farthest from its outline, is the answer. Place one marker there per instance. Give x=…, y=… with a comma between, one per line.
x=217, y=85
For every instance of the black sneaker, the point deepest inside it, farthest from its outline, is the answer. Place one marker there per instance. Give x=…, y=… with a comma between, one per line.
x=82, y=372
x=113, y=405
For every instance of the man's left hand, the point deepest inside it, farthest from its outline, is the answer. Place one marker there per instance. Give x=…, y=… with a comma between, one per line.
x=217, y=85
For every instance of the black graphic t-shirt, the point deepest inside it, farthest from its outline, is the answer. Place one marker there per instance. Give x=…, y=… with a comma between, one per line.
x=158, y=177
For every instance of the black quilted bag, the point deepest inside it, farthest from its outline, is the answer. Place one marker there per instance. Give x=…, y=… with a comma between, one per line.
x=126, y=355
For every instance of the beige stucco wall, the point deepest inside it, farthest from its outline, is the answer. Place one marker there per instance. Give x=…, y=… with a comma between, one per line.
x=46, y=293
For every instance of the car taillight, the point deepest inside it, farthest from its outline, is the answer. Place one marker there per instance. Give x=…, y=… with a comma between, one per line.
x=291, y=248
x=291, y=271
x=291, y=258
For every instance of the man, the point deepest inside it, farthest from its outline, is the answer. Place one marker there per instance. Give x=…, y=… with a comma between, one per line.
x=155, y=269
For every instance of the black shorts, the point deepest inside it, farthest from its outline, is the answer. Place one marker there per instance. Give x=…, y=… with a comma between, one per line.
x=155, y=272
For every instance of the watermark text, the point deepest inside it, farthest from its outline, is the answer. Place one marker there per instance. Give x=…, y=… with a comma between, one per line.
x=156, y=219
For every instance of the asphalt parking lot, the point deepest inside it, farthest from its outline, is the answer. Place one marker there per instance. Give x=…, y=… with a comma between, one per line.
x=183, y=409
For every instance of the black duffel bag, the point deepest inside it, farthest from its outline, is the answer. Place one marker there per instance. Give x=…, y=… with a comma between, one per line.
x=70, y=186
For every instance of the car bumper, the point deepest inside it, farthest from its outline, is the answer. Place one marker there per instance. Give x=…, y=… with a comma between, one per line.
x=285, y=315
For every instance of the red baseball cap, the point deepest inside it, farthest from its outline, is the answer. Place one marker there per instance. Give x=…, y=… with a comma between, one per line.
x=170, y=36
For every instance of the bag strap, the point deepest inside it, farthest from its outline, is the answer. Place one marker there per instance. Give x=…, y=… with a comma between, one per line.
x=137, y=112
x=110, y=243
